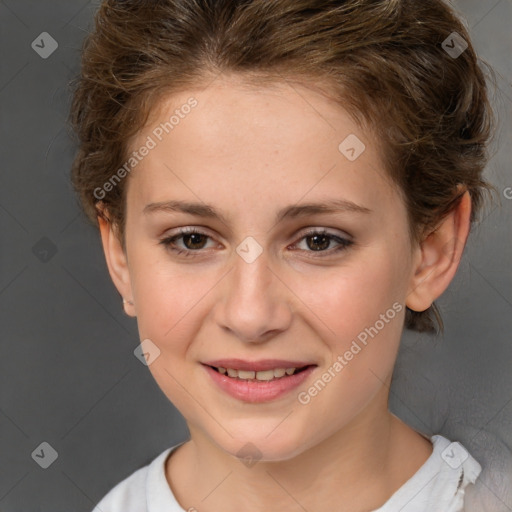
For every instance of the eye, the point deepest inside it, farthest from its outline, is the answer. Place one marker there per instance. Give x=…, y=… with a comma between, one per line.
x=193, y=240
x=319, y=240
x=316, y=241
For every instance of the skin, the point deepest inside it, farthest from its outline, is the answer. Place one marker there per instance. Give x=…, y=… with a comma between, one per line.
x=250, y=152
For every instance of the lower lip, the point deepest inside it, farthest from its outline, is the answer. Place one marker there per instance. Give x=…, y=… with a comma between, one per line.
x=258, y=391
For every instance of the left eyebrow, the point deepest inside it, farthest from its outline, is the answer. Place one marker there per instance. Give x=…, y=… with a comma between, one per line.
x=331, y=206
x=326, y=207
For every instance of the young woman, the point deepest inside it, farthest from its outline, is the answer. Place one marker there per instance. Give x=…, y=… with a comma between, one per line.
x=281, y=187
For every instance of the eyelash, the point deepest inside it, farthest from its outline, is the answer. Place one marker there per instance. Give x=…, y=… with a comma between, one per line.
x=169, y=242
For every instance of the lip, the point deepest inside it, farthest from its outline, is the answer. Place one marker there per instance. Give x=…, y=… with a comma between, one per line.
x=253, y=391
x=257, y=366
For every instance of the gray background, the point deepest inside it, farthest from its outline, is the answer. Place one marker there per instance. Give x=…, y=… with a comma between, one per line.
x=68, y=375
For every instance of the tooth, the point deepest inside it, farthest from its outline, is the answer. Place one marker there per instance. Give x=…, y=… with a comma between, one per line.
x=265, y=375
x=243, y=374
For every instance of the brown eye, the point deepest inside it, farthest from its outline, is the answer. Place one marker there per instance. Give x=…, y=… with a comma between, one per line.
x=192, y=240
x=319, y=241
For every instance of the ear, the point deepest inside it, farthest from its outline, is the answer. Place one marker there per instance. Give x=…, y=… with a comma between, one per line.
x=438, y=256
x=117, y=263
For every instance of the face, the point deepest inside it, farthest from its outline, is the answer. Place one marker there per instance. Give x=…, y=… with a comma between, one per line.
x=266, y=281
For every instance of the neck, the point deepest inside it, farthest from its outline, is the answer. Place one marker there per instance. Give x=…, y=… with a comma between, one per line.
x=357, y=468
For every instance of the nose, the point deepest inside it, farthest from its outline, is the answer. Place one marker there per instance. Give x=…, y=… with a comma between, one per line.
x=253, y=304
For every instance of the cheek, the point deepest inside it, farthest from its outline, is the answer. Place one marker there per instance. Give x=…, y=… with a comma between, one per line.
x=161, y=291
x=338, y=306
x=363, y=310
x=340, y=302
x=168, y=304
x=171, y=307
x=353, y=296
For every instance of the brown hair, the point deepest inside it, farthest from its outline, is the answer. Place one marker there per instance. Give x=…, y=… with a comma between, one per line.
x=384, y=61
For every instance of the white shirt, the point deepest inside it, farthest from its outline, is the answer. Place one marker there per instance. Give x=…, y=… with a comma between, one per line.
x=437, y=486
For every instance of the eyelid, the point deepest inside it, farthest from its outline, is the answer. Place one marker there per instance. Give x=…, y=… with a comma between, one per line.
x=187, y=230
x=343, y=240
x=325, y=231
x=201, y=230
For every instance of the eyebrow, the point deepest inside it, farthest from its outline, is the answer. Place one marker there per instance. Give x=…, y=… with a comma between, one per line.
x=330, y=206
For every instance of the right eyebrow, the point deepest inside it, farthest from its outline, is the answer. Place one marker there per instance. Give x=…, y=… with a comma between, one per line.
x=197, y=209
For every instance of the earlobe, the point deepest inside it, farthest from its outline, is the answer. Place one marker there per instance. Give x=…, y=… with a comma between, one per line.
x=438, y=257
x=117, y=263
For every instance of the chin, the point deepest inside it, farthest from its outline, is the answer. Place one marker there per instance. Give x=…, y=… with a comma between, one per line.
x=260, y=447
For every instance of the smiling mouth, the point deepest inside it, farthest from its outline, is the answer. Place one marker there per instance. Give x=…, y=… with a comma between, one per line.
x=261, y=376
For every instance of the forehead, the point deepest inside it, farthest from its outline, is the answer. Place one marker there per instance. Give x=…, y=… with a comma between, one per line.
x=231, y=111
x=272, y=140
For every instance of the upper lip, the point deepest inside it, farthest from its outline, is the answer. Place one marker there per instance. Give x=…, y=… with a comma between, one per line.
x=261, y=365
